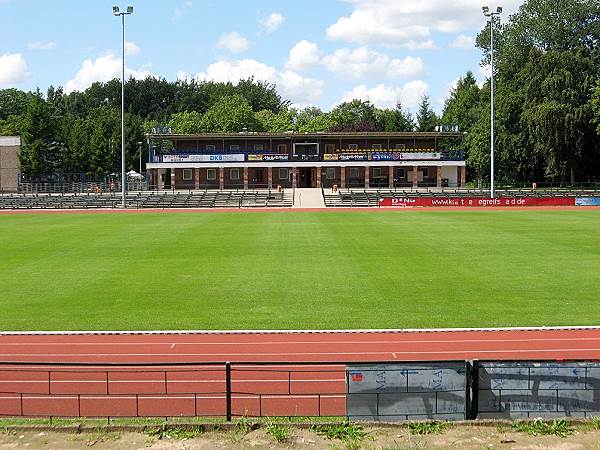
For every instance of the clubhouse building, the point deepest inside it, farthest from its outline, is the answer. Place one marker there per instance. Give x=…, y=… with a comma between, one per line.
x=251, y=160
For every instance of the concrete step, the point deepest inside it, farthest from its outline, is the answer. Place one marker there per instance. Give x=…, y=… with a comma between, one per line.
x=308, y=198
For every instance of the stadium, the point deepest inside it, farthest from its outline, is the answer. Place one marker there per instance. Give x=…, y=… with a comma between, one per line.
x=349, y=274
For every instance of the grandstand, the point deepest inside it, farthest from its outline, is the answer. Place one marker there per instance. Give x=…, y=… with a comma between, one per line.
x=149, y=200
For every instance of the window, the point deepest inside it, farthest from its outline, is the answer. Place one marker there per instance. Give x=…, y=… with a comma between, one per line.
x=377, y=173
x=330, y=173
x=281, y=148
x=425, y=172
x=353, y=147
x=283, y=174
x=210, y=147
x=376, y=146
x=187, y=174
x=354, y=172
x=259, y=147
x=400, y=146
x=211, y=174
x=234, y=174
x=234, y=147
x=329, y=148
x=401, y=173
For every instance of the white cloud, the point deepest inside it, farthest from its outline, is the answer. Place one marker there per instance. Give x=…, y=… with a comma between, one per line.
x=362, y=61
x=304, y=55
x=13, y=69
x=463, y=42
x=181, y=10
x=234, y=42
x=387, y=96
x=50, y=45
x=409, y=24
x=131, y=49
x=272, y=23
x=294, y=86
x=103, y=69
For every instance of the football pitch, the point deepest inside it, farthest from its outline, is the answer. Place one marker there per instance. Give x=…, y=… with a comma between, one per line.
x=299, y=270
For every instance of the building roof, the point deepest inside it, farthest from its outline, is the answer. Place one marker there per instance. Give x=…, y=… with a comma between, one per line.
x=295, y=135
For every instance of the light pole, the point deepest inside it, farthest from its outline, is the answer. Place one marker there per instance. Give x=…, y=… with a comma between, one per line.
x=118, y=13
x=491, y=15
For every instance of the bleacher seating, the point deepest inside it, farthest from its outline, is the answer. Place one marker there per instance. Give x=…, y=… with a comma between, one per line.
x=371, y=198
x=148, y=200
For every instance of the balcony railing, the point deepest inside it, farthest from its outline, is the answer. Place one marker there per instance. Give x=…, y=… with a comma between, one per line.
x=341, y=157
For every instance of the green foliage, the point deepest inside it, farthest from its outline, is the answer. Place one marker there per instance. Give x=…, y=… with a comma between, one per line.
x=356, y=115
x=187, y=122
x=464, y=106
x=427, y=119
x=175, y=432
x=547, y=62
x=229, y=115
x=279, y=432
x=245, y=426
x=558, y=427
x=344, y=431
x=432, y=427
x=276, y=122
x=596, y=105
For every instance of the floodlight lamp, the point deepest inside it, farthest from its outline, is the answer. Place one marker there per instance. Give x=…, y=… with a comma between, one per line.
x=499, y=9
x=130, y=10
x=116, y=10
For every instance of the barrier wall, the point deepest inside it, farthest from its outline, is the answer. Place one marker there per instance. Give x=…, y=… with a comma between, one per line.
x=407, y=391
x=512, y=390
x=476, y=202
x=387, y=392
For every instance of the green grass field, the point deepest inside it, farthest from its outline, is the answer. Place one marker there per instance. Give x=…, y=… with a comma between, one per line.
x=299, y=270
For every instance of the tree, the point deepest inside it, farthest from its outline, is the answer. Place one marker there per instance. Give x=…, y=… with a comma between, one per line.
x=547, y=61
x=404, y=119
x=356, y=115
x=463, y=107
x=40, y=152
x=427, y=119
x=596, y=105
x=276, y=122
x=13, y=102
x=187, y=122
x=230, y=114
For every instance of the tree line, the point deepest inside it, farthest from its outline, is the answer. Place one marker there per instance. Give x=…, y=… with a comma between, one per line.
x=547, y=107
x=80, y=132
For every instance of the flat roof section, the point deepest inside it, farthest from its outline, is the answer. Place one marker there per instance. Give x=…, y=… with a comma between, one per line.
x=294, y=135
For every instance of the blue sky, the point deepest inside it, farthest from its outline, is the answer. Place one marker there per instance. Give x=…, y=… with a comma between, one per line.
x=319, y=52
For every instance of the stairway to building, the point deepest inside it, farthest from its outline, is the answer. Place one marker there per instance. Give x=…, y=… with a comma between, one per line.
x=308, y=198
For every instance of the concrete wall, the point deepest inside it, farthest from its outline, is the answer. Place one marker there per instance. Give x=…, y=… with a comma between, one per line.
x=513, y=390
x=9, y=162
x=451, y=174
x=407, y=391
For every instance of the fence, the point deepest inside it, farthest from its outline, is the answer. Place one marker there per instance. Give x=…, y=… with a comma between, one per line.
x=388, y=391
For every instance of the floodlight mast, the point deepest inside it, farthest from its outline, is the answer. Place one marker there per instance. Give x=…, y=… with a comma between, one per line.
x=491, y=14
x=117, y=12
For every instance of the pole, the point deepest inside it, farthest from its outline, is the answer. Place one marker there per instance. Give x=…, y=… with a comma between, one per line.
x=123, y=174
x=492, y=190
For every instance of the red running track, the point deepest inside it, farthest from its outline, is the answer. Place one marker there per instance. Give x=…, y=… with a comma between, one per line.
x=272, y=390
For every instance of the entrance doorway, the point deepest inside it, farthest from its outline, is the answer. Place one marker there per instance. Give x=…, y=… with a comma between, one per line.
x=304, y=177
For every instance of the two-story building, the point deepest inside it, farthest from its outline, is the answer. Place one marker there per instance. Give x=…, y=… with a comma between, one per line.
x=267, y=160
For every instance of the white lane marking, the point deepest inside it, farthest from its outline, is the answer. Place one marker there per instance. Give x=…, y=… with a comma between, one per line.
x=442, y=352
x=383, y=342
x=172, y=346
x=394, y=355
x=283, y=332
